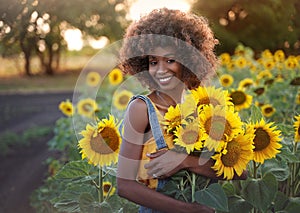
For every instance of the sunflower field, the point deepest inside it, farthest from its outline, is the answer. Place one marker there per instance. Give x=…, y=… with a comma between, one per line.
x=248, y=120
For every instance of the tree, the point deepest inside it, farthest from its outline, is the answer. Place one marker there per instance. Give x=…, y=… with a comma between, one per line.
x=35, y=27
x=267, y=24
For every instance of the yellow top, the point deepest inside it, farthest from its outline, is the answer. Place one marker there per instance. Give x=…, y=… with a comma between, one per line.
x=149, y=147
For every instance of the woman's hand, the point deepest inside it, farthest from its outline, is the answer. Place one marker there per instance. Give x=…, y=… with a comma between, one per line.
x=165, y=163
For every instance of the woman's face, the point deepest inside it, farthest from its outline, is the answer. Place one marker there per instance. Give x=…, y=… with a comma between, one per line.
x=164, y=69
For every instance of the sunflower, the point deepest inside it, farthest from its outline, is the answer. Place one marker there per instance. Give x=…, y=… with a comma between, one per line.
x=121, y=99
x=279, y=56
x=225, y=58
x=108, y=189
x=189, y=136
x=266, y=54
x=226, y=80
x=291, y=62
x=230, y=66
x=297, y=128
x=240, y=62
x=264, y=74
x=87, y=107
x=259, y=91
x=176, y=115
x=220, y=124
x=239, y=151
x=245, y=83
x=93, y=78
x=66, y=107
x=297, y=100
x=100, y=144
x=268, y=110
x=269, y=64
x=240, y=99
x=210, y=95
x=115, y=76
x=266, y=140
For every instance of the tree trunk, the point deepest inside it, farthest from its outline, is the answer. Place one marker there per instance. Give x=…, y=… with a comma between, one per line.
x=27, y=65
x=49, y=69
x=27, y=58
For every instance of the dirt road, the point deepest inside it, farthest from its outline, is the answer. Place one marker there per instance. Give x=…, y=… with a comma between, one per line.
x=23, y=169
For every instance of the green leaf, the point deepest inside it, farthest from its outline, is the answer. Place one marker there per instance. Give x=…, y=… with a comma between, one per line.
x=256, y=114
x=67, y=206
x=260, y=192
x=281, y=200
x=213, y=196
x=68, y=200
x=288, y=155
x=278, y=168
x=237, y=204
x=294, y=205
x=228, y=188
x=87, y=203
x=75, y=171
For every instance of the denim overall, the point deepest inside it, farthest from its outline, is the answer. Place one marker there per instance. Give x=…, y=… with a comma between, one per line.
x=159, y=139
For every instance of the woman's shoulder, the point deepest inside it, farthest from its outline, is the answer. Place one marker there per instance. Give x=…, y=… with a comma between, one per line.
x=137, y=105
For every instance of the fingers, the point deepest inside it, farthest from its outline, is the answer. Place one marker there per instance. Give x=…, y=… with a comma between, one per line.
x=156, y=154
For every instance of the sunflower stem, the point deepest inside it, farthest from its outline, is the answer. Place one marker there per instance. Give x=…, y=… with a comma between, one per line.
x=100, y=191
x=254, y=170
x=193, y=186
x=293, y=181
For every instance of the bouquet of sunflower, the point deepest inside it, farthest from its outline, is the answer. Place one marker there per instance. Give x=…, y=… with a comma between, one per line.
x=206, y=125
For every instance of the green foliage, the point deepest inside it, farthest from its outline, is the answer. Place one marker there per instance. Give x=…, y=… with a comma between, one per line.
x=257, y=24
x=64, y=139
x=10, y=139
x=213, y=196
x=75, y=188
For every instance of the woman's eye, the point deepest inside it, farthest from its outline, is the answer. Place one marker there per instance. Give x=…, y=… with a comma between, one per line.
x=170, y=61
x=152, y=62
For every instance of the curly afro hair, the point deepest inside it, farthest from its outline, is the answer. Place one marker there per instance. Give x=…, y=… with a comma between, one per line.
x=190, y=34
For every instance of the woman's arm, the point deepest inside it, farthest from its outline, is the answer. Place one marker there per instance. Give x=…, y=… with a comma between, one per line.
x=166, y=163
x=135, y=123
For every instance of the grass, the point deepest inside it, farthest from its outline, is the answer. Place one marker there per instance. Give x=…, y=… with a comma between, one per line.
x=9, y=139
x=13, y=79
x=40, y=83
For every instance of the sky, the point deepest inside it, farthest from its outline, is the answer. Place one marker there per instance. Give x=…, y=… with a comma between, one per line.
x=140, y=7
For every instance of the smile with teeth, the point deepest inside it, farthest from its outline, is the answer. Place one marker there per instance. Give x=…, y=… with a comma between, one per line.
x=165, y=79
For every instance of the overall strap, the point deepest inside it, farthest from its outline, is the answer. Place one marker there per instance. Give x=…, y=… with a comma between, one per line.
x=153, y=120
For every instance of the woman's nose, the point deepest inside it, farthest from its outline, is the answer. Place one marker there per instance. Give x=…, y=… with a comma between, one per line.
x=161, y=68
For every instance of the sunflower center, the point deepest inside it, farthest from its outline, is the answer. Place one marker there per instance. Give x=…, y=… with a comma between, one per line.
x=190, y=137
x=218, y=127
x=226, y=80
x=233, y=154
x=259, y=91
x=106, y=187
x=207, y=100
x=261, y=139
x=269, y=110
x=87, y=107
x=115, y=77
x=123, y=100
x=106, y=142
x=298, y=131
x=248, y=84
x=238, y=97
